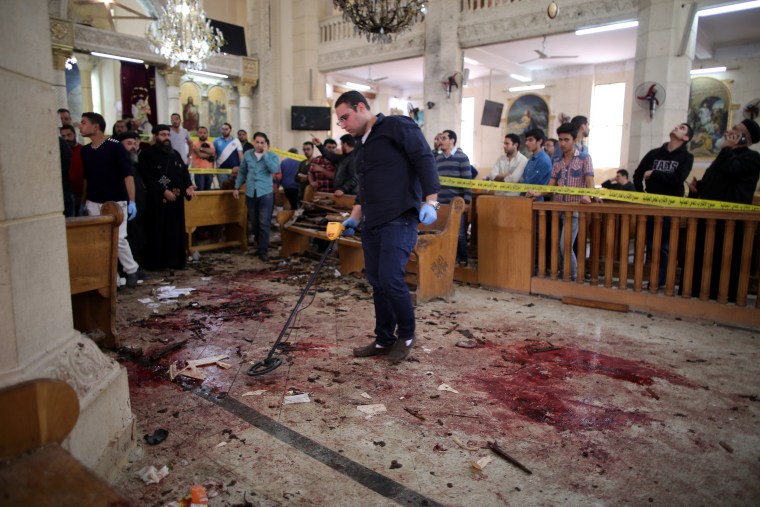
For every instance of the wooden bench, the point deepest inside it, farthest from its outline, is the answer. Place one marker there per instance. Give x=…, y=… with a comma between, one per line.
x=34, y=468
x=217, y=207
x=435, y=250
x=92, y=244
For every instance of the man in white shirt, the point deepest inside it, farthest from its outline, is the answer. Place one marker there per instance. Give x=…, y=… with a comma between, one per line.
x=180, y=139
x=510, y=166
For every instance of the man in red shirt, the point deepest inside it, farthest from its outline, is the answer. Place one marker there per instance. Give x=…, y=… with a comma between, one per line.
x=69, y=134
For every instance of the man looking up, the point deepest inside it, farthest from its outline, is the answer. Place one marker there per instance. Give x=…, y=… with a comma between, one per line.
x=180, y=139
x=664, y=171
x=108, y=177
x=510, y=166
x=229, y=153
x=570, y=171
x=453, y=163
x=203, y=158
x=396, y=172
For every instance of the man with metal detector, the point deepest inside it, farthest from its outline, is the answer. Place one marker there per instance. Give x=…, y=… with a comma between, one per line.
x=396, y=170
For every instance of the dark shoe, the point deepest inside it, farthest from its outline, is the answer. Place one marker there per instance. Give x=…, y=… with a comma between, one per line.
x=132, y=280
x=371, y=350
x=264, y=256
x=400, y=350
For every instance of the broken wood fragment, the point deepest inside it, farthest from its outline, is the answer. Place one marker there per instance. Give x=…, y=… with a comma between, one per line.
x=652, y=393
x=481, y=463
x=173, y=371
x=501, y=452
x=415, y=413
x=726, y=446
x=463, y=445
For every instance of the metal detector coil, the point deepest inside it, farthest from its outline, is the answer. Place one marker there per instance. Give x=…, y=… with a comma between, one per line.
x=271, y=363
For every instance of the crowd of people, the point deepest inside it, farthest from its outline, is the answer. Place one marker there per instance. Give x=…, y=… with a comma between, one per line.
x=150, y=179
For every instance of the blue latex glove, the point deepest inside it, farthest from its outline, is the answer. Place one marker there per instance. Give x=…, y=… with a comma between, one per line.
x=428, y=215
x=132, y=210
x=350, y=224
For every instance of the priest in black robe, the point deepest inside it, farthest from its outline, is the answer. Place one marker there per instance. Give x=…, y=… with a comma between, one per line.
x=168, y=184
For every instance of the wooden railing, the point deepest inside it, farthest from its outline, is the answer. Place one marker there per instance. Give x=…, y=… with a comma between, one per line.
x=711, y=272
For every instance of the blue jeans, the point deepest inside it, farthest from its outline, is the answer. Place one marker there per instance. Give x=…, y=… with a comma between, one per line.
x=260, y=215
x=203, y=181
x=386, y=252
x=573, y=259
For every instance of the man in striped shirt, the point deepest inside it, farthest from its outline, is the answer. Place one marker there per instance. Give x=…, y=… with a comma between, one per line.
x=453, y=163
x=572, y=170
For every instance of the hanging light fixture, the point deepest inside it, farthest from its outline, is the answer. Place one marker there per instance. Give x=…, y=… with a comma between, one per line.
x=182, y=35
x=380, y=20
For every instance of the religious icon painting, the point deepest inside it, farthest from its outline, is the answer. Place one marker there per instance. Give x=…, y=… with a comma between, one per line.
x=709, y=115
x=190, y=101
x=525, y=113
x=217, y=110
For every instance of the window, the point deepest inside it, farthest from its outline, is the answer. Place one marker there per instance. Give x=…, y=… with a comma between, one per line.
x=466, y=140
x=606, y=137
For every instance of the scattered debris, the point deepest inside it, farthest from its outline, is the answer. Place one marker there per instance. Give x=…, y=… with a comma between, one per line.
x=726, y=446
x=220, y=444
x=395, y=464
x=446, y=387
x=463, y=415
x=257, y=392
x=371, y=410
x=652, y=393
x=365, y=395
x=150, y=475
x=173, y=372
x=451, y=329
x=192, y=371
x=439, y=448
x=157, y=437
x=467, y=344
x=750, y=397
x=501, y=452
x=171, y=292
x=481, y=463
x=327, y=370
x=296, y=398
x=463, y=445
x=415, y=413
x=379, y=443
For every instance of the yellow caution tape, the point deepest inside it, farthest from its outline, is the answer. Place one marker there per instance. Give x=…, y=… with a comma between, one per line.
x=198, y=170
x=294, y=156
x=617, y=195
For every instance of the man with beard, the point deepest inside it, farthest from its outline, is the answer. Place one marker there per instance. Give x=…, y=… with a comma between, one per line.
x=510, y=166
x=203, y=158
x=167, y=181
x=229, y=154
x=135, y=228
x=69, y=134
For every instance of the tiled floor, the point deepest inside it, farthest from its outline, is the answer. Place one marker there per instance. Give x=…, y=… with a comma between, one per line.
x=604, y=408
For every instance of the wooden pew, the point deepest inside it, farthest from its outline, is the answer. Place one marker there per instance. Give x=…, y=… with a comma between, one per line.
x=34, y=468
x=435, y=251
x=217, y=207
x=92, y=244
x=433, y=259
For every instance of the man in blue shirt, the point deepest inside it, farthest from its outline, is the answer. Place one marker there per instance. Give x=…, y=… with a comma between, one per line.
x=256, y=171
x=396, y=169
x=538, y=170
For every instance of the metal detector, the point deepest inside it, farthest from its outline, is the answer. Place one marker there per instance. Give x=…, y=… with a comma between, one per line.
x=270, y=363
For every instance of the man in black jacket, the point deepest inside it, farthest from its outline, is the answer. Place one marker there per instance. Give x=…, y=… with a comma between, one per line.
x=664, y=170
x=732, y=177
x=396, y=172
x=345, y=181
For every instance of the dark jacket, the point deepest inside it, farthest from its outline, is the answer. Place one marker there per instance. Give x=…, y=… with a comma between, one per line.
x=396, y=170
x=732, y=176
x=617, y=186
x=669, y=170
x=345, y=179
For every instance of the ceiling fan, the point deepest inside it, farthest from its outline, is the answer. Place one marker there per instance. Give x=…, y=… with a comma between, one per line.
x=370, y=78
x=543, y=55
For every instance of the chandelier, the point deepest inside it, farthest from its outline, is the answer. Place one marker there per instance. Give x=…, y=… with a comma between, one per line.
x=380, y=20
x=181, y=34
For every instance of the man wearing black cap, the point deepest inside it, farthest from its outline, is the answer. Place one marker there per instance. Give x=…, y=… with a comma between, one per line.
x=167, y=180
x=732, y=177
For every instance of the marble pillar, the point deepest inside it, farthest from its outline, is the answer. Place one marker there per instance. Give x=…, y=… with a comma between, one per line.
x=37, y=338
x=443, y=57
x=172, y=75
x=60, y=56
x=86, y=64
x=245, y=90
x=663, y=24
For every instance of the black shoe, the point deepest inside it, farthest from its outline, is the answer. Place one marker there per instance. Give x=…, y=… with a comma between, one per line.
x=264, y=256
x=371, y=350
x=400, y=350
x=132, y=280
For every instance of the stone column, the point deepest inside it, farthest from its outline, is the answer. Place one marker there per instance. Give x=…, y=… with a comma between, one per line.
x=245, y=90
x=172, y=75
x=662, y=27
x=233, y=115
x=62, y=44
x=37, y=338
x=85, y=64
x=443, y=57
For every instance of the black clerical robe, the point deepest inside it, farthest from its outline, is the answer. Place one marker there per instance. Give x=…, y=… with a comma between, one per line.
x=164, y=219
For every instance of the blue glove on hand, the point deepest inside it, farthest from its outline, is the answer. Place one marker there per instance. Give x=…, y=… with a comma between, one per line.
x=350, y=224
x=428, y=215
x=132, y=210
